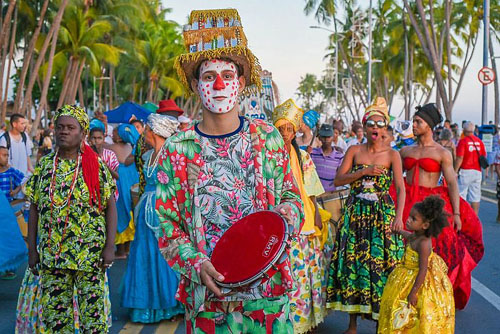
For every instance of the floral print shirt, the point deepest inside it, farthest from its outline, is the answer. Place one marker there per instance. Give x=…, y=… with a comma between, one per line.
x=183, y=236
x=77, y=246
x=226, y=181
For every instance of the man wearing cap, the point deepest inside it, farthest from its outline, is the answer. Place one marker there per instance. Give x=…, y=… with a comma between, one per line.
x=327, y=158
x=467, y=166
x=216, y=172
x=170, y=108
x=424, y=163
x=183, y=122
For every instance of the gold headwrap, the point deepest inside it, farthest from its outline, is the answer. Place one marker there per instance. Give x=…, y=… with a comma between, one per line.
x=76, y=112
x=379, y=107
x=288, y=111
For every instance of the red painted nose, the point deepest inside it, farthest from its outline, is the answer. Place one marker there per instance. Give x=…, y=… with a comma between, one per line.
x=219, y=83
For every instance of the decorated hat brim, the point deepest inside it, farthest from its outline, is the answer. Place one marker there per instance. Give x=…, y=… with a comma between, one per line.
x=186, y=64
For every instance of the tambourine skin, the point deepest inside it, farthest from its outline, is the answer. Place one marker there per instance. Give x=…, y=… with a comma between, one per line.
x=248, y=250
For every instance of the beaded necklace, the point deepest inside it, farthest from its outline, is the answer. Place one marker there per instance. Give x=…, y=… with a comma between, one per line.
x=151, y=167
x=67, y=202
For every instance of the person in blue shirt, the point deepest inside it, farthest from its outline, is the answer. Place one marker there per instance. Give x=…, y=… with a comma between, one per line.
x=10, y=178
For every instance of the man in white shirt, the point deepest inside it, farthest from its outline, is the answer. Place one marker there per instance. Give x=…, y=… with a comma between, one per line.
x=19, y=144
x=337, y=139
x=359, y=138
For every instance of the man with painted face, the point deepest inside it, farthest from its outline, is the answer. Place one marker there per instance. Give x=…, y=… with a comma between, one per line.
x=460, y=244
x=214, y=173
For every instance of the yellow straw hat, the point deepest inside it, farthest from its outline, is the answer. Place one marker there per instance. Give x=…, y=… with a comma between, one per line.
x=288, y=111
x=215, y=34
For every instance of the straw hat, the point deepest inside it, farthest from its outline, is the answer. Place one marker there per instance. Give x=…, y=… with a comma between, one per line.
x=216, y=34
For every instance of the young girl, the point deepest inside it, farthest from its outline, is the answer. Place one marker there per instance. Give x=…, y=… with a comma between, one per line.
x=419, y=286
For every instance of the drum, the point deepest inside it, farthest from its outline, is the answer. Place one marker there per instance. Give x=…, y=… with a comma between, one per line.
x=333, y=202
x=248, y=252
x=134, y=193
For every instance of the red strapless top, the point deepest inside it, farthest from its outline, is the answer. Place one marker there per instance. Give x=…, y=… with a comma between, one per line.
x=427, y=164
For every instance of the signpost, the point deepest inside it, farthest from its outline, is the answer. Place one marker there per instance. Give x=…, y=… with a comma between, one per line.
x=486, y=75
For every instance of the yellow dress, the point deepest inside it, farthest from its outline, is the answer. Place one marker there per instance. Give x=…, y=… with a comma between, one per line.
x=435, y=310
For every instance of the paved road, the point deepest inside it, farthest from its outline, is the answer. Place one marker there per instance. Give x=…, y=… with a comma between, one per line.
x=480, y=316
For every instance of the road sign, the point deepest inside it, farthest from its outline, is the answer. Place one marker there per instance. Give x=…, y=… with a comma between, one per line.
x=486, y=75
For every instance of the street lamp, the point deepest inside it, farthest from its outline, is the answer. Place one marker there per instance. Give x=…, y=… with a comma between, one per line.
x=336, y=68
x=370, y=54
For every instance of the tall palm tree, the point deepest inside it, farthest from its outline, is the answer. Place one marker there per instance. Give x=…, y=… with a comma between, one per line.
x=80, y=45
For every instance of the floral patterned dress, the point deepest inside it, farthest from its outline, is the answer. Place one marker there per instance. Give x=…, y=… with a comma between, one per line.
x=365, y=250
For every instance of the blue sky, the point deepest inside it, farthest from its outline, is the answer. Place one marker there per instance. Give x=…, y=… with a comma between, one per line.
x=278, y=33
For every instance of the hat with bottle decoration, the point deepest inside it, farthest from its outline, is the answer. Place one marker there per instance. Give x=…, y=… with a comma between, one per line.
x=216, y=34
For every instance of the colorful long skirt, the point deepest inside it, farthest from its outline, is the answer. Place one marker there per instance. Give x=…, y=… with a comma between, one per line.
x=29, y=309
x=149, y=284
x=365, y=253
x=261, y=316
x=307, y=303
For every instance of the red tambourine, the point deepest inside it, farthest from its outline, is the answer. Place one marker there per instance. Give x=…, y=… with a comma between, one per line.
x=250, y=248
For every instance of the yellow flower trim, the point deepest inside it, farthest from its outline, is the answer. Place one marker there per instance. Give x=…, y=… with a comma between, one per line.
x=230, y=13
x=207, y=35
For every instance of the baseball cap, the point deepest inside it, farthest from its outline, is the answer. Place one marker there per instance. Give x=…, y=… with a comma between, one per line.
x=326, y=130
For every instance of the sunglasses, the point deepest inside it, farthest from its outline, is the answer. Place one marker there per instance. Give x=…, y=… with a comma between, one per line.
x=380, y=124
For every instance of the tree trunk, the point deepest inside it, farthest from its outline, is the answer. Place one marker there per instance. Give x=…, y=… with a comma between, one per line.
x=36, y=68
x=64, y=88
x=406, y=68
x=9, y=65
x=46, y=81
x=3, y=53
x=28, y=56
x=448, y=6
x=81, y=96
x=6, y=22
x=71, y=82
x=428, y=46
x=132, y=94
x=150, y=90
x=76, y=82
x=100, y=95
x=111, y=73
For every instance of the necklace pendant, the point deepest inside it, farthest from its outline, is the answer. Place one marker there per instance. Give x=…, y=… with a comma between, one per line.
x=56, y=257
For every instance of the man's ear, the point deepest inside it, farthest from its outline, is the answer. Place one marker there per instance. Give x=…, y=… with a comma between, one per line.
x=194, y=85
x=243, y=82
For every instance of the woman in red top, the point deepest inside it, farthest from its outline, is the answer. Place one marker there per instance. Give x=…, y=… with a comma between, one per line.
x=461, y=243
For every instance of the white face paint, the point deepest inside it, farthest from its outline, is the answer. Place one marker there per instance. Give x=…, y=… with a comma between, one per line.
x=218, y=85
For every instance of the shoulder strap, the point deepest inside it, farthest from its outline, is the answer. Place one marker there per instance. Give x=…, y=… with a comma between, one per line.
x=24, y=137
x=7, y=139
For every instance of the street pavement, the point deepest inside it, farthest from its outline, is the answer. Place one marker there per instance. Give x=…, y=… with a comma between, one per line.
x=480, y=316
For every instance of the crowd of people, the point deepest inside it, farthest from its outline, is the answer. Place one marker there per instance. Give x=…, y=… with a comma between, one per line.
x=161, y=192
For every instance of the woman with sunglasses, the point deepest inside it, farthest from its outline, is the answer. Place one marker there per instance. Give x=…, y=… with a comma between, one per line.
x=366, y=251
x=460, y=244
